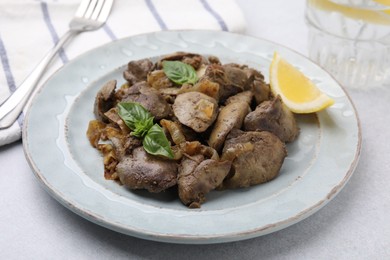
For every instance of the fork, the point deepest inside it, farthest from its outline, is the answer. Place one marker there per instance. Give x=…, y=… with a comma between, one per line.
x=90, y=15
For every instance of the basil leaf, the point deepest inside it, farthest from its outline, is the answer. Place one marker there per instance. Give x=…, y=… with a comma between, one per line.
x=140, y=121
x=155, y=142
x=133, y=114
x=179, y=72
x=142, y=127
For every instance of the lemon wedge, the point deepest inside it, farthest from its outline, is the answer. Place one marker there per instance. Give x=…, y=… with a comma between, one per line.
x=298, y=92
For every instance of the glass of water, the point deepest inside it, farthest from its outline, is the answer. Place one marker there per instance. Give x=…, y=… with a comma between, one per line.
x=351, y=40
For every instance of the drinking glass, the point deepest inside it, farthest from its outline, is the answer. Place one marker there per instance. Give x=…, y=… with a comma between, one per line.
x=351, y=40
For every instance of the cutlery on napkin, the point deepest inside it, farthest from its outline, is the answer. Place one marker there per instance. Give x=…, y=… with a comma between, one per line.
x=30, y=28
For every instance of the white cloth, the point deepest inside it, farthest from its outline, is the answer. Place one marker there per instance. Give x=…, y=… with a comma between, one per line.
x=29, y=29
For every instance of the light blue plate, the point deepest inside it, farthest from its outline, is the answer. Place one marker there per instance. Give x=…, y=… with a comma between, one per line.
x=318, y=165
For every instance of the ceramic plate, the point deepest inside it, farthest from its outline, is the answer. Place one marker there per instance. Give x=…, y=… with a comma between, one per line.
x=318, y=165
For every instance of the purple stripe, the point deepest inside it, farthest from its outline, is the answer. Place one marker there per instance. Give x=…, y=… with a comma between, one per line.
x=219, y=19
x=8, y=75
x=20, y=120
x=52, y=31
x=109, y=32
x=156, y=15
x=6, y=67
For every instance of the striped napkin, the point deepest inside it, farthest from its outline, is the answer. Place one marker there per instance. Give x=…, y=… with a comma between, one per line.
x=29, y=28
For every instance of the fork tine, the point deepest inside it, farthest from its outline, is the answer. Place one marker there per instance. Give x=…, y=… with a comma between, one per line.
x=82, y=8
x=91, y=8
x=106, y=9
x=97, y=10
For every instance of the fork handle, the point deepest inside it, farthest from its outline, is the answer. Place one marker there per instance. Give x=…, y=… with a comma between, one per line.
x=14, y=104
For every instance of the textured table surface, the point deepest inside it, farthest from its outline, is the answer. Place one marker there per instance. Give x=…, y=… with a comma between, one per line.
x=355, y=225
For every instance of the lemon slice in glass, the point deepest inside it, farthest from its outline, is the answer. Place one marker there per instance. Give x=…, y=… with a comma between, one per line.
x=377, y=16
x=298, y=92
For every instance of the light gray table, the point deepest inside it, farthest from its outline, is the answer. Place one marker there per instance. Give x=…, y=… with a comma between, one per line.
x=355, y=225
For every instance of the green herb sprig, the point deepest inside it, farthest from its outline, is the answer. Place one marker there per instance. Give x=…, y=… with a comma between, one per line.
x=140, y=121
x=179, y=72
